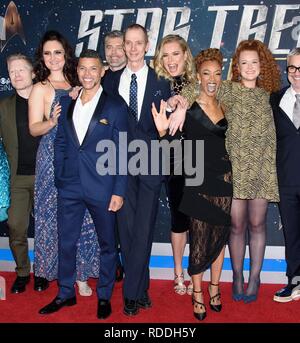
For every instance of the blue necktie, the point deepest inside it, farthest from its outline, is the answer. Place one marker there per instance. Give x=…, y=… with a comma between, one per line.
x=133, y=103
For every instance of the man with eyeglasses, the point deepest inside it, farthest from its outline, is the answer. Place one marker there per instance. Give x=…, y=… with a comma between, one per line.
x=286, y=109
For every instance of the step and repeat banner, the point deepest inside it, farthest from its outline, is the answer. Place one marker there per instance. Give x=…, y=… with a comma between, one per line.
x=219, y=24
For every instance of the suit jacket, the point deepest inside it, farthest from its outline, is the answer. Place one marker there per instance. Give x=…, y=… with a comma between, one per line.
x=144, y=130
x=8, y=132
x=288, y=144
x=75, y=164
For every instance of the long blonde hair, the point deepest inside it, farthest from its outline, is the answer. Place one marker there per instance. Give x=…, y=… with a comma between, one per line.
x=189, y=70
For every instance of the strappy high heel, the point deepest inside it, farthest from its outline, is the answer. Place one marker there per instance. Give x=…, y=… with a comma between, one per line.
x=179, y=286
x=84, y=289
x=198, y=315
x=190, y=287
x=216, y=308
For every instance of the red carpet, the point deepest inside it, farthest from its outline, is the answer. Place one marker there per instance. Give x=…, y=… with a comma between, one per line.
x=168, y=307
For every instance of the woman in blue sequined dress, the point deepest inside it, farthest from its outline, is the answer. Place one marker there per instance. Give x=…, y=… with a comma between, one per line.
x=55, y=70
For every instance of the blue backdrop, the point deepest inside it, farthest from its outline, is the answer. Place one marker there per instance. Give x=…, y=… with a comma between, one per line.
x=221, y=24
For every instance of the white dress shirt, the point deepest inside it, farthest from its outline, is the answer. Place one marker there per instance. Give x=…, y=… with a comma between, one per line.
x=287, y=102
x=82, y=114
x=124, y=86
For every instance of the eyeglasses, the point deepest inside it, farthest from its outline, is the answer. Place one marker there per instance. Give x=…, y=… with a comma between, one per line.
x=292, y=69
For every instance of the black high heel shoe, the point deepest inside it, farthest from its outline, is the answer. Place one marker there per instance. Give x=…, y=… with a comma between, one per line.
x=201, y=315
x=216, y=308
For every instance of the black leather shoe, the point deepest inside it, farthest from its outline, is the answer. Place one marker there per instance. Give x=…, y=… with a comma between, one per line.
x=104, y=309
x=119, y=273
x=284, y=295
x=145, y=301
x=40, y=284
x=130, y=308
x=19, y=286
x=57, y=304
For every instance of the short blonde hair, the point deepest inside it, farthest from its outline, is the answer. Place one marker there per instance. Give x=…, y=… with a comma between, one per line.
x=20, y=56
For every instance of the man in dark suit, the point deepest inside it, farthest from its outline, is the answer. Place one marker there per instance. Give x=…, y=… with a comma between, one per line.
x=84, y=182
x=286, y=109
x=116, y=60
x=21, y=150
x=140, y=87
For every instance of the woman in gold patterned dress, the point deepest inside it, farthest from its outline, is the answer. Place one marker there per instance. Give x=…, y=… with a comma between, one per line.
x=251, y=145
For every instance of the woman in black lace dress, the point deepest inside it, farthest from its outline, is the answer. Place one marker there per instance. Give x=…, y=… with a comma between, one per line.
x=207, y=205
x=173, y=60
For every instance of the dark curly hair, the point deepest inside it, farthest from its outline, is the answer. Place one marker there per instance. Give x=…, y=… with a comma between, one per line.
x=269, y=78
x=210, y=54
x=69, y=70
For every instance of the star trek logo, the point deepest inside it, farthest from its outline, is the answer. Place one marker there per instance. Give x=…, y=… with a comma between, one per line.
x=10, y=26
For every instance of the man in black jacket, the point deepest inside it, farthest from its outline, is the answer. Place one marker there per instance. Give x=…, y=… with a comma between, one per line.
x=286, y=109
x=21, y=150
x=116, y=60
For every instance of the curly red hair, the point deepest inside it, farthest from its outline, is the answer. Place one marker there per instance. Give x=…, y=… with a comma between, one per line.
x=269, y=78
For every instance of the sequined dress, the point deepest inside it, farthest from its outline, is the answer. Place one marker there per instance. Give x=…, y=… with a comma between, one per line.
x=45, y=213
x=4, y=183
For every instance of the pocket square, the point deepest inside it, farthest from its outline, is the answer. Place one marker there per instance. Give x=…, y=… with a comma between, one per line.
x=103, y=121
x=158, y=93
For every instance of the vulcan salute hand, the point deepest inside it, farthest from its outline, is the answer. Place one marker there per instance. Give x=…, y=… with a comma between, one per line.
x=160, y=118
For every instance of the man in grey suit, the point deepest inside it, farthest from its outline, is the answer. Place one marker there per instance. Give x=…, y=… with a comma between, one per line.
x=286, y=110
x=21, y=150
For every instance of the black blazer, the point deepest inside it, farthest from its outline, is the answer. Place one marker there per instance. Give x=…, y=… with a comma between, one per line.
x=145, y=130
x=288, y=144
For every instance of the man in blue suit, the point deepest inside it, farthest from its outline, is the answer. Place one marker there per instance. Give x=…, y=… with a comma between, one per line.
x=139, y=87
x=84, y=123
x=286, y=109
